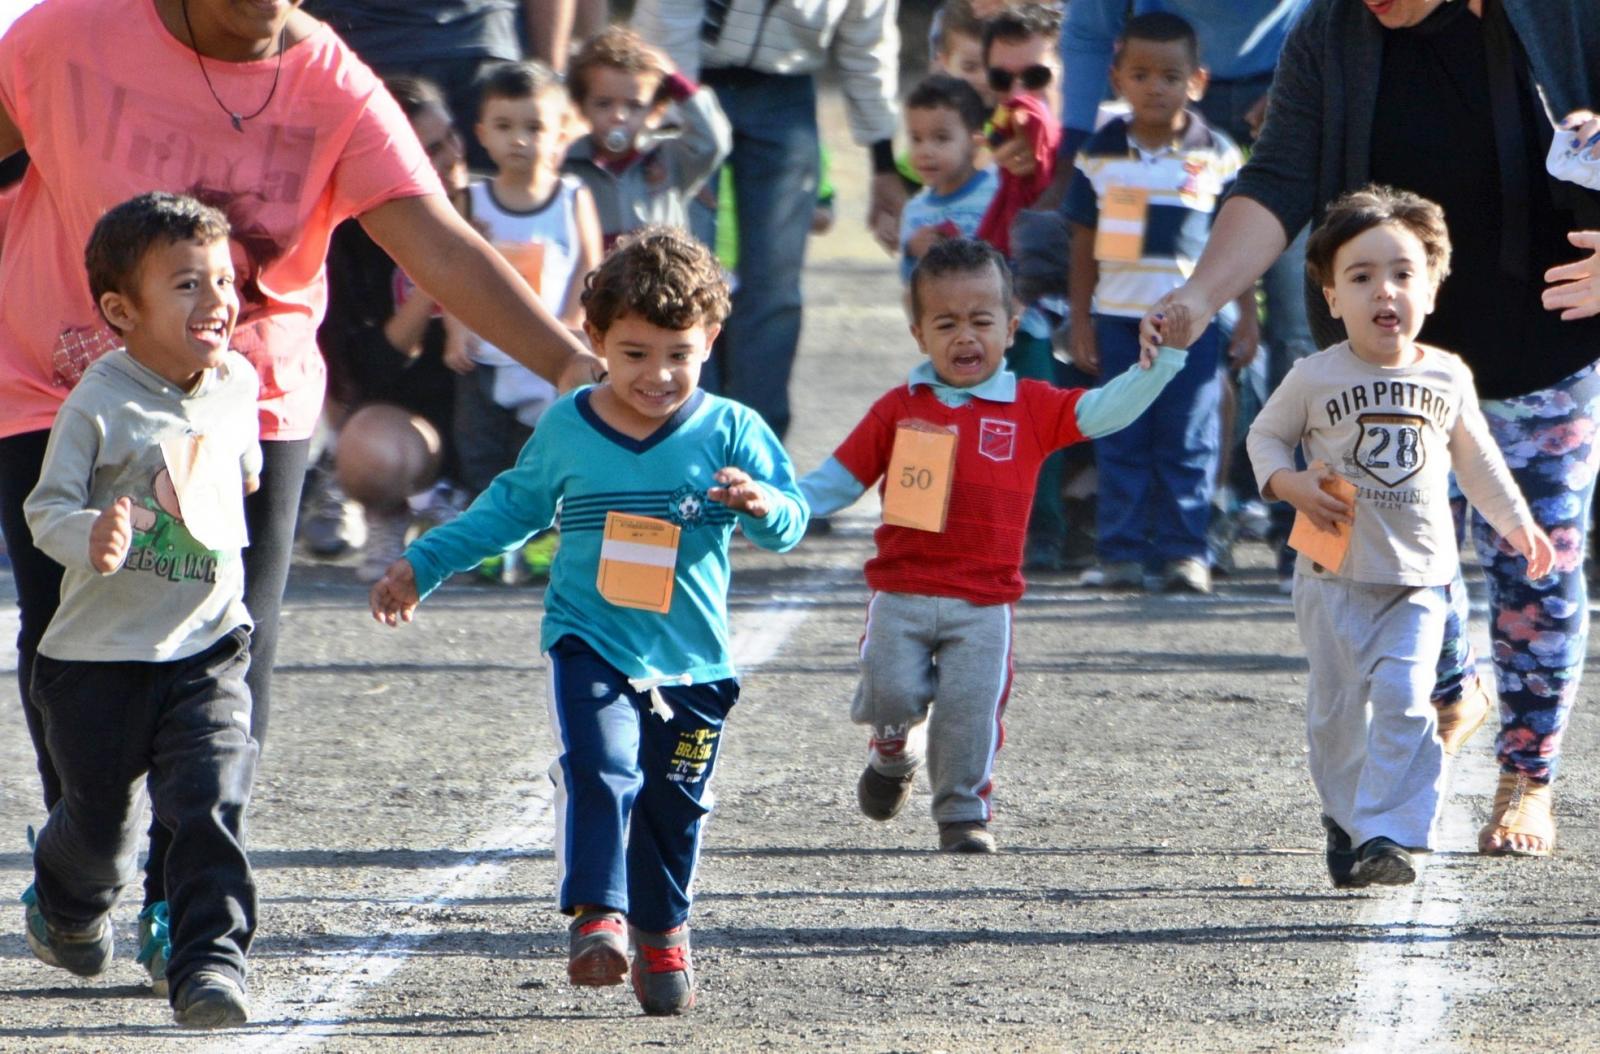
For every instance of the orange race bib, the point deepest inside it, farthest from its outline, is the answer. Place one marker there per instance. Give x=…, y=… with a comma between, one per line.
x=916, y=489
x=210, y=490
x=1327, y=549
x=638, y=555
x=527, y=259
x=1119, y=234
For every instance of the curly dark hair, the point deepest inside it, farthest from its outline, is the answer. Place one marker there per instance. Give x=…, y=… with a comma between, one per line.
x=660, y=274
x=1357, y=212
x=616, y=47
x=124, y=235
x=959, y=256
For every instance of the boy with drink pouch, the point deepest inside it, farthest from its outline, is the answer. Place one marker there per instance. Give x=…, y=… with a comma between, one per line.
x=140, y=674
x=649, y=474
x=1390, y=419
x=936, y=656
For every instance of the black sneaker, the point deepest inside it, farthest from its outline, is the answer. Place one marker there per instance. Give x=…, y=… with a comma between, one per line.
x=1384, y=862
x=1341, y=857
x=882, y=797
x=210, y=999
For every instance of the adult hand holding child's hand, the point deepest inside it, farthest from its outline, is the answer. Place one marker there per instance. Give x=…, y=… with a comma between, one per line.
x=394, y=598
x=111, y=535
x=1536, y=547
x=740, y=493
x=1304, y=491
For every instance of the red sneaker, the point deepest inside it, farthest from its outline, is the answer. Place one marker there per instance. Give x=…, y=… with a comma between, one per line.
x=663, y=971
x=597, y=949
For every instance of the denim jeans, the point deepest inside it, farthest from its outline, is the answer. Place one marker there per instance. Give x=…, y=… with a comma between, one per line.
x=775, y=164
x=1158, y=474
x=186, y=725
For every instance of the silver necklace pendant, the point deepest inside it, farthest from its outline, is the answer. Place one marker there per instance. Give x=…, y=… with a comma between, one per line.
x=238, y=122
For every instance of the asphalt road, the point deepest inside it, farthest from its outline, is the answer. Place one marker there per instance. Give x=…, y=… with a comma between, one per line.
x=1160, y=885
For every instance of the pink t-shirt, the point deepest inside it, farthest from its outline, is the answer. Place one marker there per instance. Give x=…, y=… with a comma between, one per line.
x=111, y=105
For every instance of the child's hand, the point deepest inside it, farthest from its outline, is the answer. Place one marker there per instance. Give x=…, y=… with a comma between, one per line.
x=1246, y=338
x=1085, y=349
x=1535, y=545
x=922, y=239
x=111, y=535
x=394, y=599
x=739, y=493
x=1304, y=491
x=458, y=340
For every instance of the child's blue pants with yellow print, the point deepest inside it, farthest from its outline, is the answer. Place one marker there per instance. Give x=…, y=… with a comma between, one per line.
x=632, y=785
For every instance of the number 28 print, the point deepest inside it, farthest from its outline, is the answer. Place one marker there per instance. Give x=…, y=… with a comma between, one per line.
x=1390, y=447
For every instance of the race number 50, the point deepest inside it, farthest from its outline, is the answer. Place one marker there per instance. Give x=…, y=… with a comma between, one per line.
x=916, y=491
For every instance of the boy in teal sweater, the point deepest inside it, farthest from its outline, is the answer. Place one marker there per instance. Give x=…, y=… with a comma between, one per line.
x=649, y=475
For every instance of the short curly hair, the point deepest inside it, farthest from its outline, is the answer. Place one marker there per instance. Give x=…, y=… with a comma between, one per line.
x=126, y=234
x=959, y=256
x=660, y=274
x=616, y=47
x=1374, y=205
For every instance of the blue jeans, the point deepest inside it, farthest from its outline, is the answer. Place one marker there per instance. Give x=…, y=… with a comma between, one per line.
x=633, y=786
x=774, y=163
x=1158, y=474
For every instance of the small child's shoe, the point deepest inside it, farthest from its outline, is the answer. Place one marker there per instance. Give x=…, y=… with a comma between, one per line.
x=882, y=797
x=210, y=998
x=86, y=953
x=1189, y=575
x=1384, y=862
x=1341, y=856
x=597, y=949
x=663, y=971
x=965, y=836
x=155, y=945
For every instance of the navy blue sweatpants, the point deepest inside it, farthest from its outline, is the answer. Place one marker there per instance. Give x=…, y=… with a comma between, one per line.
x=632, y=785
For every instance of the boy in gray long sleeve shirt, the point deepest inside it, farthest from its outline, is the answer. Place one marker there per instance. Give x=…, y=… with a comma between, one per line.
x=1392, y=417
x=141, y=672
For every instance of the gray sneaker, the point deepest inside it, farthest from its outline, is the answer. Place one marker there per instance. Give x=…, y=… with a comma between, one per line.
x=1189, y=575
x=965, y=836
x=663, y=971
x=210, y=999
x=882, y=797
x=597, y=949
x=335, y=523
x=86, y=953
x=1121, y=574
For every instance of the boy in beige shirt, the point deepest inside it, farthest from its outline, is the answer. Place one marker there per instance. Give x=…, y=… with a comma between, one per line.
x=1393, y=418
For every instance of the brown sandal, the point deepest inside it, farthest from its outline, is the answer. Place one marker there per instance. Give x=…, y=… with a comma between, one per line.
x=1460, y=720
x=1521, y=806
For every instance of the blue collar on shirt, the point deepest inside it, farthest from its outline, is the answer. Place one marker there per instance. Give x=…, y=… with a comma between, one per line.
x=1000, y=388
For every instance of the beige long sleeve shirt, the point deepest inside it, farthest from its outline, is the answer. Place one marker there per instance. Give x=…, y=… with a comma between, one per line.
x=1396, y=433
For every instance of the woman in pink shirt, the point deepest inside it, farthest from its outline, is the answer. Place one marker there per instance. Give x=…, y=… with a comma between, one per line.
x=261, y=110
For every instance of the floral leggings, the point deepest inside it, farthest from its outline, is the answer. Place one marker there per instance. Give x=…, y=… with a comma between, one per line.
x=1540, y=630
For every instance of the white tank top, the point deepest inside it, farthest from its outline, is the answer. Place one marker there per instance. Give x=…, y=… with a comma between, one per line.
x=542, y=244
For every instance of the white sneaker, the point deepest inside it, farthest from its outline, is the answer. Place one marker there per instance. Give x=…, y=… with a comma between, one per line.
x=336, y=523
x=386, y=540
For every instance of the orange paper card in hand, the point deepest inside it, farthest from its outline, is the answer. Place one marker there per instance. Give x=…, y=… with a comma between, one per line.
x=637, y=558
x=916, y=489
x=1327, y=549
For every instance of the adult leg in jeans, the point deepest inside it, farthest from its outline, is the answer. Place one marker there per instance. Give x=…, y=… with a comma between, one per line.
x=270, y=516
x=38, y=580
x=774, y=164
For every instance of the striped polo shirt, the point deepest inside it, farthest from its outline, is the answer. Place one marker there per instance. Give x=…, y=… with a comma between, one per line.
x=1184, y=182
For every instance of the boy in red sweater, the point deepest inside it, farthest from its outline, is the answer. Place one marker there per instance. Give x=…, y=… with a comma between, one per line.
x=936, y=656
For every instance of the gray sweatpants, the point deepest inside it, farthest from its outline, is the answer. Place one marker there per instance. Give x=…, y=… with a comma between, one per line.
x=935, y=672
x=1375, y=753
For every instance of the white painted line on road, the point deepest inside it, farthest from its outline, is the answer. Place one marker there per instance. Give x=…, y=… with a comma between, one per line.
x=1407, y=979
x=316, y=1008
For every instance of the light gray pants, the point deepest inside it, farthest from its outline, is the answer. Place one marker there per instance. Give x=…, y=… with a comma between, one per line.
x=935, y=673
x=1375, y=753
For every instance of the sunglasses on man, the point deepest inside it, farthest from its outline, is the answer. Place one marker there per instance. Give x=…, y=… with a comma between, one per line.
x=1034, y=78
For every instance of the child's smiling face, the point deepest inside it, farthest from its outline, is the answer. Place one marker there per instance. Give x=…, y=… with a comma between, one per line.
x=964, y=324
x=652, y=370
x=1382, y=291
x=179, y=316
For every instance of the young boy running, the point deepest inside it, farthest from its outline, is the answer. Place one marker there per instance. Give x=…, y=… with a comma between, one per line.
x=141, y=671
x=936, y=656
x=649, y=474
x=1393, y=418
